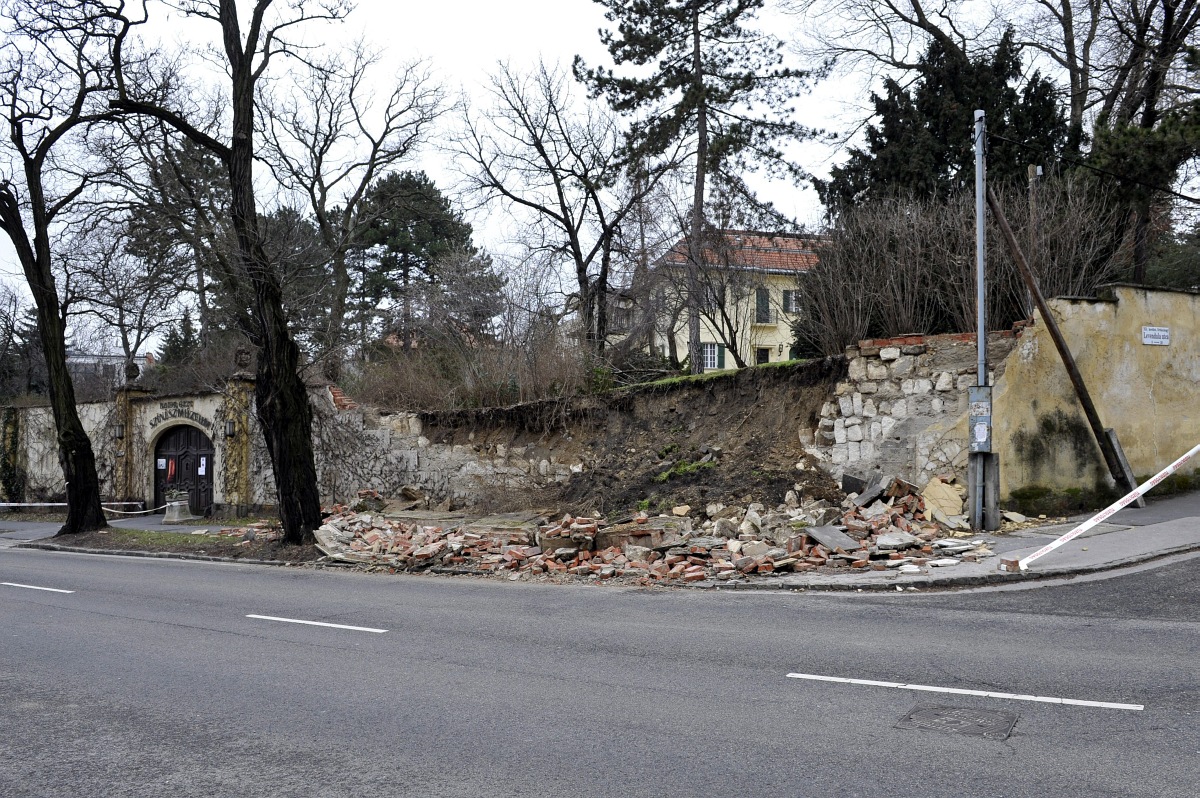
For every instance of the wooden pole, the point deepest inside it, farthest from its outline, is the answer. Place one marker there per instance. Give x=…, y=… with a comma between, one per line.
x=1111, y=458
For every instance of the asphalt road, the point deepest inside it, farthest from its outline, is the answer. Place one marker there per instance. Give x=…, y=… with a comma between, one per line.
x=150, y=680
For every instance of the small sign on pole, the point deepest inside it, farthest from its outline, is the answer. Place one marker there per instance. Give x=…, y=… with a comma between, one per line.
x=1156, y=336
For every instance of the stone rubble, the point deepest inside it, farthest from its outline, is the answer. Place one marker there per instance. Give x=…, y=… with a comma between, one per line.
x=893, y=531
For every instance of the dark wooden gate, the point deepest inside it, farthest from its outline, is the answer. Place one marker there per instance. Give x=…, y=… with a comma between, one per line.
x=183, y=461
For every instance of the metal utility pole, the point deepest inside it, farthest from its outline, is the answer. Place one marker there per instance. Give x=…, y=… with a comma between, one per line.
x=983, y=472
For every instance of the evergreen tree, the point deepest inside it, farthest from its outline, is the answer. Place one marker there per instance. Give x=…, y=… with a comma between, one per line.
x=181, y=344
x=715, y=81
x=921, y=145
x=412, y=228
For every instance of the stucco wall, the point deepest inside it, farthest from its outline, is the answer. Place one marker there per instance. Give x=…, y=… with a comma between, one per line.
x=1148, y=394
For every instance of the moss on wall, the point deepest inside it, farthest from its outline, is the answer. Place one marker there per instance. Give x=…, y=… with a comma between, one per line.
x=1054, y=438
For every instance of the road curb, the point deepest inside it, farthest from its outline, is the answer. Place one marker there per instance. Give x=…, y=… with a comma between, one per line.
x=926, y=583
x=158, y=555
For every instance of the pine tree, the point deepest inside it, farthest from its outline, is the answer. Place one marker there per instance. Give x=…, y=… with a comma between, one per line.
x=921, y=146
x=716, y=82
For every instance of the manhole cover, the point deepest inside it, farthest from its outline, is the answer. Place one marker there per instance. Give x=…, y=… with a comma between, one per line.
x=986, y=723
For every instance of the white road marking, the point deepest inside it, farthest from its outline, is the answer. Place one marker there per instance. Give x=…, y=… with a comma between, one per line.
x=318, y=623
x=959, y=691
x=35, y=587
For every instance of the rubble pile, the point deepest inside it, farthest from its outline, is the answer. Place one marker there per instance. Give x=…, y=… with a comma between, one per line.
x=891, y=524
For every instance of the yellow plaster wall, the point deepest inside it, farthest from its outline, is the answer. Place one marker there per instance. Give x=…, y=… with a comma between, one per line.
x=1148, y=394
x=751, y=335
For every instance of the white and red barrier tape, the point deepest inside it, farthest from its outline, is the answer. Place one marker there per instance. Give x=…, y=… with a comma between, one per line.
x=1107, y=512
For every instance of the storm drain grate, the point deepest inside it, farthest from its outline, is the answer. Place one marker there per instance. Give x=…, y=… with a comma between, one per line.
x=986, y=723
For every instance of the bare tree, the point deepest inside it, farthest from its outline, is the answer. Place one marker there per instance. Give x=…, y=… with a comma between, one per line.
x=249, y=46
x=56, y=76
x=328, y=139
x=135, y=298
x=1125, y=67
x=540, y=153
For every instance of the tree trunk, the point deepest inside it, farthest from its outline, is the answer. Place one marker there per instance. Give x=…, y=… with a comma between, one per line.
x=75, y=454
x=696, y=232
x=280, y=395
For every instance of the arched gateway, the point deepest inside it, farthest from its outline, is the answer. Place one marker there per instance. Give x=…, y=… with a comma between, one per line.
x=183, y=461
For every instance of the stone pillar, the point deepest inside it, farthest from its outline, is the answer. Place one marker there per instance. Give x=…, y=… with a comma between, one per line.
x=126, y=454
x=235, y=468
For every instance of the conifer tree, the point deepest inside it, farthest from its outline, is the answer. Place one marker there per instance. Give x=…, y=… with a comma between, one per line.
x=716, y=81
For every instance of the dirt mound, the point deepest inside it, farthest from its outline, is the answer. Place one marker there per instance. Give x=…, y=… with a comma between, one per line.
x=728, y=438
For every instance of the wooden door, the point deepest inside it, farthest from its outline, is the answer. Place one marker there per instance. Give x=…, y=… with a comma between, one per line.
x=183, y=461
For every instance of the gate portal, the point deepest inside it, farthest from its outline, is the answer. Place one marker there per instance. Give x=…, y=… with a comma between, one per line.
x=183, y=461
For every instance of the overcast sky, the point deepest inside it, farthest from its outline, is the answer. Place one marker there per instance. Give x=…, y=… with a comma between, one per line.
x=463, y=40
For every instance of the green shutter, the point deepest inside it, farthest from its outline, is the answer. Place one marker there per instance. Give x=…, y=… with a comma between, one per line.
x=720, y=356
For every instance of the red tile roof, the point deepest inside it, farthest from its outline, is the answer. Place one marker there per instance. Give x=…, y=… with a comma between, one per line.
x=780, y=253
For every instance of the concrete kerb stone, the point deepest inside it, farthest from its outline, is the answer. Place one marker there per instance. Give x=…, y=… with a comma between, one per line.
x=159, y=555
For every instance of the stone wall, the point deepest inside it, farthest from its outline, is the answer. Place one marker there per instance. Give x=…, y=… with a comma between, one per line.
x=898, y=408
x=387, y=451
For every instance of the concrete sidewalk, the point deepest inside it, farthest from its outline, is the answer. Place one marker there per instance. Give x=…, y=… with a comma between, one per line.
x=38, y=530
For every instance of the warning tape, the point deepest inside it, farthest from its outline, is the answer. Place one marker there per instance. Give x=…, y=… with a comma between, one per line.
x=1107, y=512
x=134, y=512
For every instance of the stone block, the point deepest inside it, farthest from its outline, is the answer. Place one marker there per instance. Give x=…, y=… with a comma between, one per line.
x=854, y=433
x=945, y=381
x=875, y=431
x=937, y=405
x=903, y=366
x=889, y=353
x=833, y=538
x=853, y=451
x=869, y=410
x=839, y=430
x=900, y=408
x=877, y=371
x=856, y=369
x=858, y=404
x=868, y=387
x=886, y=425
x=839, y=455
x=914, y=349
x=846, y=405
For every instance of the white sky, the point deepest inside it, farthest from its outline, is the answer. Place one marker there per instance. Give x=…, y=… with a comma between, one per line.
x=463, y=40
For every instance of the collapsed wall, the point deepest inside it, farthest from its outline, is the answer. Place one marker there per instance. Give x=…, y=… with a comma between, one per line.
x=899, y=408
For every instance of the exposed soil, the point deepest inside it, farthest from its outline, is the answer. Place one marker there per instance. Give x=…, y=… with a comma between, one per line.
x=232, y=547
x=730, y=438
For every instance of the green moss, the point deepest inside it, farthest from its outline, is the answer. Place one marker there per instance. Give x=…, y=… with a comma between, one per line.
x=1037, y=500
x=684, y=468
x=1176, y=483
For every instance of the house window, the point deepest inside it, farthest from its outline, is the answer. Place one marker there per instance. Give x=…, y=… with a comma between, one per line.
x=791, y=301
x=762, y=354
x=713, y=356
x=762, y=306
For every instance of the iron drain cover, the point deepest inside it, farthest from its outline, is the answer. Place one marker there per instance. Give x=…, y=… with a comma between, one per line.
x=986, y=723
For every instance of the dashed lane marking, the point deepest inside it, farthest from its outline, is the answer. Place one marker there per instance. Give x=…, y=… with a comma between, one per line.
x=318, y=623
x=959, y=691
x=35, y=587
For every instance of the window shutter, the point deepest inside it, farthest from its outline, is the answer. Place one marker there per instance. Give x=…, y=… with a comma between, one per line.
x=720, y=356
x=789, y=301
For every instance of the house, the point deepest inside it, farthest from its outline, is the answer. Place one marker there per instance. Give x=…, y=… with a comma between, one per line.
x=749, y=280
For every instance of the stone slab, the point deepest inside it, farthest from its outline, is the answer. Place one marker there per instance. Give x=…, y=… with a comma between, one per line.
x=833, y=538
